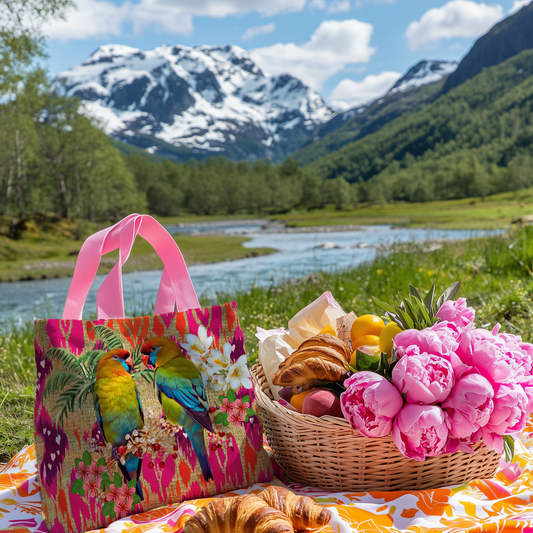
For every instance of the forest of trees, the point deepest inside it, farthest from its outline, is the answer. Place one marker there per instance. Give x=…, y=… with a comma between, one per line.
x=474, y=141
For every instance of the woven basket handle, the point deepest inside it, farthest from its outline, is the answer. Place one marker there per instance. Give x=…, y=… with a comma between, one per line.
x=175, y=289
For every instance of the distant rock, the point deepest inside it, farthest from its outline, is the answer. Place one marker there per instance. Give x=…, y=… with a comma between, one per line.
x=423, y=73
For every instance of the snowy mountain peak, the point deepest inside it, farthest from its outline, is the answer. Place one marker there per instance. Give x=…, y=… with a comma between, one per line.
x=205, y=100
x=423, y=73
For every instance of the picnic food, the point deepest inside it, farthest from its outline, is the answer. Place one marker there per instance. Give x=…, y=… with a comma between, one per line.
x=322, y=357
x=240, y=514
x=366, y=340
x=320, y=402
x=387, y=335
x=297, y=400
x=366, y=325
x=302, y=511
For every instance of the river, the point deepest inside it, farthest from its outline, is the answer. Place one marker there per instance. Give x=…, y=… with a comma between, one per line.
x=298, y=254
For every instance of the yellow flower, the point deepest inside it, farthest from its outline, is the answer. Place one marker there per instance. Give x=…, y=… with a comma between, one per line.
x=430, y=272
x=420, y=269
x=379, y=272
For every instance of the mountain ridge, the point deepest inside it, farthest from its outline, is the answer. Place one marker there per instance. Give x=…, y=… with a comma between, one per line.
x=199, y=101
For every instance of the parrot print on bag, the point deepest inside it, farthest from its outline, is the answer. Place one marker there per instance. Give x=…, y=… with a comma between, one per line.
x=180, y=389
x=118, y=409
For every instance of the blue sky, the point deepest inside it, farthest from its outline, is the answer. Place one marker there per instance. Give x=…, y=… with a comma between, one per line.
x=348, y=50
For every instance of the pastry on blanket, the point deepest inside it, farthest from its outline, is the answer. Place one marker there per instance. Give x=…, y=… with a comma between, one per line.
x=302, y=511
x=241, y=514
x=322, y=357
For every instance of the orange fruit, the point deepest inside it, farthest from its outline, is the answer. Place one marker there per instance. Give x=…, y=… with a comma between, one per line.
x=366, y=325
x=297, y=401
x=366, y=340
x=387, y=335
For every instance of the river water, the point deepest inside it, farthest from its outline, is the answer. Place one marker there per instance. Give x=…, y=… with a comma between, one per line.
x=298, y=254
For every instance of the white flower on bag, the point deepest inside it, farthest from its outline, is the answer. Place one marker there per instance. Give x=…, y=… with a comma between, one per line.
x=238, y=374
x=198, y=346
x=218, y=382
x=220, y=361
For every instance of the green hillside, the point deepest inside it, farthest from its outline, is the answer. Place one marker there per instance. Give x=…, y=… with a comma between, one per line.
x=350, y=126
x=473, y=141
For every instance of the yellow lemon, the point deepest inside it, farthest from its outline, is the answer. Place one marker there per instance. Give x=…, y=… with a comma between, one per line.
x=387, y=336
x=366, y=325
x=329, y=330
x=297, y=400
x=366, y=340
x=371, y=349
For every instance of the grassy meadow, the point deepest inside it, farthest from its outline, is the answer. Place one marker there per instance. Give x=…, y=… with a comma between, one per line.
x=45, y=259
x=496, y=273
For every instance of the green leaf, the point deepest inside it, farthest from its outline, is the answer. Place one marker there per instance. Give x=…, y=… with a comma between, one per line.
x=106, y=480
x=132, y=484
x=250, y=412
x=109, y=509
x=101, y=461
x=231, y=396
x=428, y=300
x=364, y=361
x=77, y=462
x=77, y=487
x=109, y=336
x=246, y=399
x=383, y=366
x=221, y=418
x=221, y=398
x=117, y=480
x=86, y=458
x=508, y=446
x=449, y=294
x=414, y=292
x=136, y=500
x=383, y=305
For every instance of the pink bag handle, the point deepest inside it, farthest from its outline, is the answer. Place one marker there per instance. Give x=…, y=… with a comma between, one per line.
x=176, y=287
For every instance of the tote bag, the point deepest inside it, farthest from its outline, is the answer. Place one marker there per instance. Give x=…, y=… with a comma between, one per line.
x=136, y=413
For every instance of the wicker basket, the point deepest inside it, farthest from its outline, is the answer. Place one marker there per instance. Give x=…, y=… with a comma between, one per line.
x=327, y=453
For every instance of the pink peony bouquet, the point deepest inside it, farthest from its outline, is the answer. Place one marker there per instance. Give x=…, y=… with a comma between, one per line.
x=448, y=385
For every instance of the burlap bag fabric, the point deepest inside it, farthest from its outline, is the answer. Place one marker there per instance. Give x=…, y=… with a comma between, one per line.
x=133, y=414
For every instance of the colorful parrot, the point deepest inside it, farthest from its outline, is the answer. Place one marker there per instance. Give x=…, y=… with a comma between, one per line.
x=118, y=409
x=180, y=389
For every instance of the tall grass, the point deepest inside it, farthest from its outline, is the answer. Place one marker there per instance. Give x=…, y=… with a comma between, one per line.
x=496, y=275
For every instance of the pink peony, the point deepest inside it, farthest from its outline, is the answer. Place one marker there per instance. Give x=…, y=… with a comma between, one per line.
x=510, y=407
x=499, y=364
x=369, y=403
x=463, y=444
x=423, y=378
x=469, y=406
x=420, y=431
x=458, y=313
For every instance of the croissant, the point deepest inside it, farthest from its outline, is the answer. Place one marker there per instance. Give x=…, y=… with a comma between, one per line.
x=302, y=511
x=241, y=514
x=322, y=357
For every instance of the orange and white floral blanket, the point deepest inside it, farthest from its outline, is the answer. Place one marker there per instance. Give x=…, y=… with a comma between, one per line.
x=500, y=505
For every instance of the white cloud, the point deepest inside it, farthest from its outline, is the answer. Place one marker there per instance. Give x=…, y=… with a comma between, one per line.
x=350, y=93
x=339, y=6
x=98, y=18
x=252, y=32
x=458, y=18
x=518, y=5
x=318, y=4
x=91, y=19
x=334, y=45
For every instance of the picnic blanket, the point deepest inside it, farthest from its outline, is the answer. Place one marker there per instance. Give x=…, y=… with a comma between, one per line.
x=500, y=505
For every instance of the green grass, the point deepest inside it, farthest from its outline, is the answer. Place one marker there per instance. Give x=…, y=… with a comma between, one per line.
x=496, y=273
x=29, y=259
x=495, y=211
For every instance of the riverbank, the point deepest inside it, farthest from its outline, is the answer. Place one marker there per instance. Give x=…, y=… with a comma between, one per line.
x=495, y=274
x=48, y=259
x=493, y=212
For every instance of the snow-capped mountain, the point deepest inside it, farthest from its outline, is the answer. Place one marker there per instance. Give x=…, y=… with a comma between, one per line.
x=423, y=73
x=202, y=101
